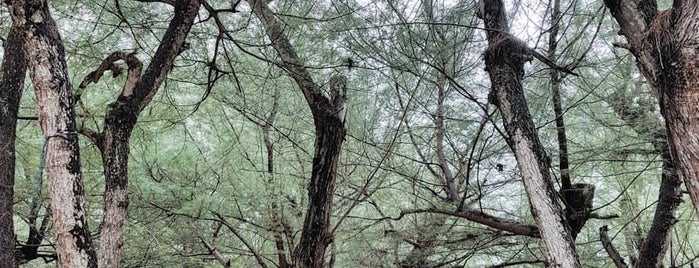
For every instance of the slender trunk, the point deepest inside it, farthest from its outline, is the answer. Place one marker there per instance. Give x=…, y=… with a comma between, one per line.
x=329, y=119
x=504, y=59
x=578, y=198
x=49, y=74
x=440, y=132
x=555, y=79
x=277, y=217
x=14, y=69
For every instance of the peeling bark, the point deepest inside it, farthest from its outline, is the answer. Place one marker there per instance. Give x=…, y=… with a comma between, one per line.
x=14, y=69
x=329, y=119
x=504, y=59
x=49, y=74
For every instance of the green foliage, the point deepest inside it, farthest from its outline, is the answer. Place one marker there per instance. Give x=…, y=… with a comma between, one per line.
x=198, y=163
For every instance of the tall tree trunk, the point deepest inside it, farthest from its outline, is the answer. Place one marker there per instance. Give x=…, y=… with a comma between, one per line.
x=666, y=46
x=14, y=69
x=504, y=59
x=49, y=74
x=121, y=118
x=329, y=119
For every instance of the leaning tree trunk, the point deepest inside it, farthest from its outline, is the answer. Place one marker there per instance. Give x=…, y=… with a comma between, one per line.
x=119, y=122
x=49, y=74
x=14, y=70
x=504, y=59
x=329, y=119
x=666, y=47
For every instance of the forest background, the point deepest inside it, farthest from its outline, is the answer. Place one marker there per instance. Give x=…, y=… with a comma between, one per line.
x=339, y=133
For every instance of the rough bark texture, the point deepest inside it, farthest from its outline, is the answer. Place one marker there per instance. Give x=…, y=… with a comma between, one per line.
x=121, y=118
x=14, y=69
x=505, y=58
x=329, y=119
x=666, y=46
x=49, y=74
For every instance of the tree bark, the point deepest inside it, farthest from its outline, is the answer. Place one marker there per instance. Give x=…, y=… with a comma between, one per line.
x=14, y=69
x=121, y=118
x=666, y=46
x=49, y=74
x=504, y=59
x=329, y=119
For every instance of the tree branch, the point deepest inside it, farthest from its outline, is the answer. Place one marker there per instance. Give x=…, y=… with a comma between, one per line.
x=494, y=222
x=609, y=247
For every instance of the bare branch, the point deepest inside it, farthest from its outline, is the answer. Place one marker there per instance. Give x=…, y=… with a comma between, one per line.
x=214, y=252
x=247, y=244
x=169, y=2
x=609, y=247
x=501, y=224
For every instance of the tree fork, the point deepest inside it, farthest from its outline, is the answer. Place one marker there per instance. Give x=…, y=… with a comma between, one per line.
x=504, y=59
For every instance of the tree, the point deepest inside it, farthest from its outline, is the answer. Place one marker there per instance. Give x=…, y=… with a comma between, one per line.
x=665, y=45
x=221, y=157
x=49, y=74
x=14, y=69
x=329, y=119
x=113, y=141
x=640, y=117
x=504, y=59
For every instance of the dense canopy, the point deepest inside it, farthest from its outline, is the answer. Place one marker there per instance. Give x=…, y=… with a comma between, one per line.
x=349, y=133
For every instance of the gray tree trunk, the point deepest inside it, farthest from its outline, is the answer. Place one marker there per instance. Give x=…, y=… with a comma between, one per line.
x=504, y=59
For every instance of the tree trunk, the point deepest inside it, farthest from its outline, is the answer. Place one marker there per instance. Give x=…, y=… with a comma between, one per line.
x=666, y=46
x=49, y=74
x=330, y=133
x=329, y=119
x=14, y=69
x=505, y=58
x=121, y=118
x=555, y=80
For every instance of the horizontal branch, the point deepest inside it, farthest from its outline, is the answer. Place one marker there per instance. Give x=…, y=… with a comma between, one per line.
x=494, y=222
